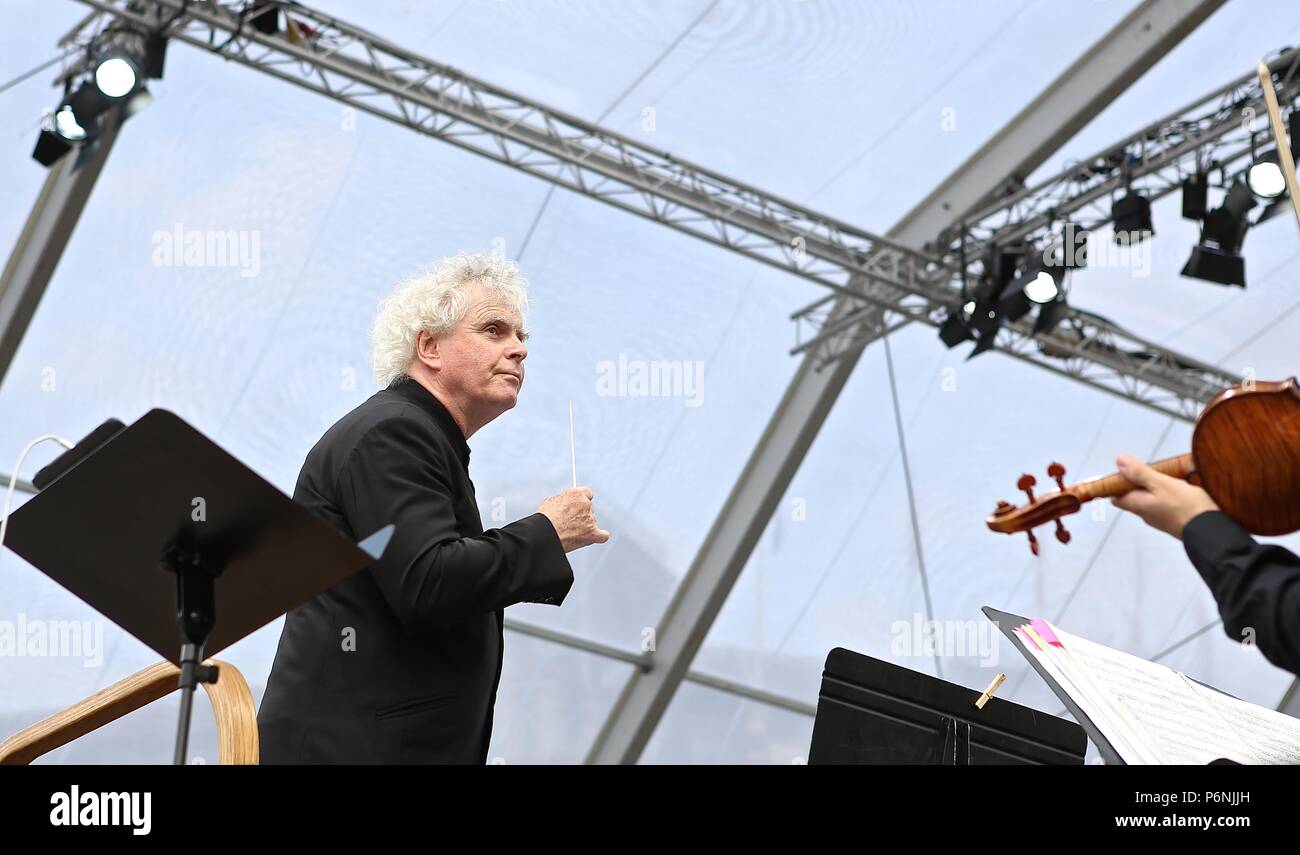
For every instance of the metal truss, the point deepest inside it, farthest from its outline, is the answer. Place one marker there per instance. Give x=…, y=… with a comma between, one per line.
x=1221, y=132
x=357, y=68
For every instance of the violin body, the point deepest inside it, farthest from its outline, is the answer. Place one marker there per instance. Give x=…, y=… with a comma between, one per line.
x=1245, y=454
x=1246, y=449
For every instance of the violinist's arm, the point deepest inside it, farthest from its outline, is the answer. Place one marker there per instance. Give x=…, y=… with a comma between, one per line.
x=1257, y=586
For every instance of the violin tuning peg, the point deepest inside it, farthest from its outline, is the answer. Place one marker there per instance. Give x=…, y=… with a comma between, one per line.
x=1057, y=471
x=1061, y=534
x=1033, y=542
x=1027, y=483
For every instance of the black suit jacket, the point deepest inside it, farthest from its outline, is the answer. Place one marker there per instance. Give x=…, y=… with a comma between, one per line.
x=1257, y=586
x=400, y=662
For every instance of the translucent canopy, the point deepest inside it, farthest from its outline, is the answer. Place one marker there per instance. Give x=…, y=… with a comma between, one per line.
x=855, y=109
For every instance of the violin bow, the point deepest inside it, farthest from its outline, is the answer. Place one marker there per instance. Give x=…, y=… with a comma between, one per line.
x=1284, y=158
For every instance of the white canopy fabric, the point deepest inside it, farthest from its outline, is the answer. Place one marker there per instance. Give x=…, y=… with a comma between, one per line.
x=856, y=109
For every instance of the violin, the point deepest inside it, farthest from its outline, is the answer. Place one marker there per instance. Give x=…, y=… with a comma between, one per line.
x=1245, y=454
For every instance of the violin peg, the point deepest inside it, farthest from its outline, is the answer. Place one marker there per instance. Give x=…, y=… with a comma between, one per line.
x=1057, y=471
x=1061, y=534
x=1026, y=483
x=1033, y=542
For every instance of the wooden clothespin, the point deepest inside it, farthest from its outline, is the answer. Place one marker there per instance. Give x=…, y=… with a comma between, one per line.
x=988, y=693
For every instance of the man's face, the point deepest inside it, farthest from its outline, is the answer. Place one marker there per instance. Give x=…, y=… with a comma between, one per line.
x=482, y=357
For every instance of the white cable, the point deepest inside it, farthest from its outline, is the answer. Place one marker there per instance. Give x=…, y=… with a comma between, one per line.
x=13, y=479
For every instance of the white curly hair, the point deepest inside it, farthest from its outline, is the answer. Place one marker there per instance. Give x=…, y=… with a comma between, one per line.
x=434, y=301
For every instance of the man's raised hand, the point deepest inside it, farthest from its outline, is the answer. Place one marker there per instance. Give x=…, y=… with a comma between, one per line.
x=574, y=518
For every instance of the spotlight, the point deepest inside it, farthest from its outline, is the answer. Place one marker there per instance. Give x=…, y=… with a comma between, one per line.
x=1042, y=288
x=65, y=125
x=1265, y=177
x=117, y=75
x=1132, y=218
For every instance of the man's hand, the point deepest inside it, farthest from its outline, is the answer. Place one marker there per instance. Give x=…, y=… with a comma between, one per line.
x=574, y=519
x=1162, y=502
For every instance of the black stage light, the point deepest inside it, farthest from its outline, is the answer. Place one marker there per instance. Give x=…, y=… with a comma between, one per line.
x=1215, y=265
x=984, y=344
x=49, y=148
x=1196, y=197
x=86, y=104
x=1132, y=218
x=1217, y=258
x=954, y=330
x=155, y=52
x=265, y=18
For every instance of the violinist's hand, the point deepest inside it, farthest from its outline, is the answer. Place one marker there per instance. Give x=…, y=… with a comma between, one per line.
x=1162, y=502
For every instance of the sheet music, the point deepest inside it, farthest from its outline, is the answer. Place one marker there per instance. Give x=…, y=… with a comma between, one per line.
x=1271, y=737
x=1170, y=716
x=1119, y=734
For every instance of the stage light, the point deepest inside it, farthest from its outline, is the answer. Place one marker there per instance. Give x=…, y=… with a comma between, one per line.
x=265, y=18
x=1217, y=258
x=65, y=125
x=1196, y=197
x=1215, y=265
x=1265, y=178
x=115, y=78
x=1132, y=218
x=116, y=75
x=1042, y=288
x=86, y=104
x=984, y=344
x=49, y=148
x=954, y=331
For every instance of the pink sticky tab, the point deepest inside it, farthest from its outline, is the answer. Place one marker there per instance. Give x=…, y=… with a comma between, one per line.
x=1027, y=639
x=1044, y=631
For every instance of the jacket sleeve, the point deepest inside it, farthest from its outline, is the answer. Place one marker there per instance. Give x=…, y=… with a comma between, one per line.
x=1257, y=586
x=428, y=572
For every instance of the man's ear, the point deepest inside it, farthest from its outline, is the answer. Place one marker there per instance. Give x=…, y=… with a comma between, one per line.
x=426, y=350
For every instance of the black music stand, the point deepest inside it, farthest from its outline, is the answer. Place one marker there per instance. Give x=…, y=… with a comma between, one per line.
x=876, y=713
x=128, y=501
